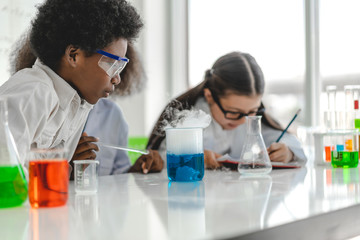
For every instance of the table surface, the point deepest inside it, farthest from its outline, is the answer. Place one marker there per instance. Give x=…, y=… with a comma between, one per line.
x=310, y=202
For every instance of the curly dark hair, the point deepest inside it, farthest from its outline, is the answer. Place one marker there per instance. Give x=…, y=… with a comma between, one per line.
x=133, y=77
x=86, y=24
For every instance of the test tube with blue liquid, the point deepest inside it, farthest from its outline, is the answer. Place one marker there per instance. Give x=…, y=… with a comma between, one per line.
x=185, y=154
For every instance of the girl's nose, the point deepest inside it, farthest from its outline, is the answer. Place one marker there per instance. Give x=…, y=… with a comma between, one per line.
x=116, y=79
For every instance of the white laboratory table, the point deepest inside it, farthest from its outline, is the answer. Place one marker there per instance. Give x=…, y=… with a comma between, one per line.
x=305, y=203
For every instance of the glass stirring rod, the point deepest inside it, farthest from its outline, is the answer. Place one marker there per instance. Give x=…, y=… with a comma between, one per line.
x=123, y=148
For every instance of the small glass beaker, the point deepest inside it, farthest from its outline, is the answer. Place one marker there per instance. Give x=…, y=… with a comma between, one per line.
x=254, y=158
x=185, y=154
x=86, y=176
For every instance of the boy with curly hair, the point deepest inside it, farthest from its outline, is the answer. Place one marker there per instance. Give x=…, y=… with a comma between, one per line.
x=80, y=54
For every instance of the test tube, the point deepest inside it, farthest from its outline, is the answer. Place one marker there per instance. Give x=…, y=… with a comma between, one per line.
x=349, y=97
x=331, y=94
x=351, y=100
x=329, y=114
x=328, y=147
x=356, y=92
x=356, y=96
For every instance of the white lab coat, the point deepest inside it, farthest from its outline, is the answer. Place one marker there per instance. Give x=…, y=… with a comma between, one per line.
x=44, y=110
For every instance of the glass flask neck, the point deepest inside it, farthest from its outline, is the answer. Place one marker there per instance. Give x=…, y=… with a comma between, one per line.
x=8, y=152
x=3, y=112
x=253, y=124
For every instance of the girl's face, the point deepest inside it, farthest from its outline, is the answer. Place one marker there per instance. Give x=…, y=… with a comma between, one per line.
x=233, y=103
x=89, y=79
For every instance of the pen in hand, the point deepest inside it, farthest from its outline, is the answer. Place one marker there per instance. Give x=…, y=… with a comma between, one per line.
x=292, y=120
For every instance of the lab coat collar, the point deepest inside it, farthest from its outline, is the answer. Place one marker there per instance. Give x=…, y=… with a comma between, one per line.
x=65, y=91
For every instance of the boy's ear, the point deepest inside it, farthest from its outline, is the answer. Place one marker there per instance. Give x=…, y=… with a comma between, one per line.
x=72, y=55
x=208, y=96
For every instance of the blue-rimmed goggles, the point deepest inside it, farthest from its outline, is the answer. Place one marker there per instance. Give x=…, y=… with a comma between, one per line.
x=112, y=64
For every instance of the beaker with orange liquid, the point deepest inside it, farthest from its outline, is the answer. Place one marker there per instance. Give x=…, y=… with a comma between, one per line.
x=48, y=178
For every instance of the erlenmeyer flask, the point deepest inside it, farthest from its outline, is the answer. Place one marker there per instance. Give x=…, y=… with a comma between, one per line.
x=254, y=158
x=13, y=184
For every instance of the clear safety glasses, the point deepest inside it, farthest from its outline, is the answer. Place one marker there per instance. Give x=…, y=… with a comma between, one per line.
x=112, y=64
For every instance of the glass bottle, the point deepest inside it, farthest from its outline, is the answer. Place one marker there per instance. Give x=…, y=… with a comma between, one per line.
x=254, y=158
x=13, y=184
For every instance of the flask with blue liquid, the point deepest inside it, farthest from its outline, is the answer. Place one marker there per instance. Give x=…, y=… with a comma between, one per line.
x=185, y=154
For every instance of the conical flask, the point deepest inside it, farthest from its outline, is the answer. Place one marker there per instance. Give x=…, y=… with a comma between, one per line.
x=254, y=158
x=13, y=184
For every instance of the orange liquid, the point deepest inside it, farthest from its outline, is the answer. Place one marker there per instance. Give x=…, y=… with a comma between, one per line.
x=348, y=144
x=328, y=153
x=48, y=183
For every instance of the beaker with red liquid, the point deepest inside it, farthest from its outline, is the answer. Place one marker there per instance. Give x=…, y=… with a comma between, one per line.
x=48, y=178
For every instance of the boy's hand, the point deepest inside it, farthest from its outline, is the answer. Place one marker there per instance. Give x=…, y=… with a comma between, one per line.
x=148, y=163
x=86, y=148
x=279, y=152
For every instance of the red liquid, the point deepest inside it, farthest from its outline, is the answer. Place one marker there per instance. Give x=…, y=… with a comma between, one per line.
x=328, y=150
x=48, y=183
x=328, y=153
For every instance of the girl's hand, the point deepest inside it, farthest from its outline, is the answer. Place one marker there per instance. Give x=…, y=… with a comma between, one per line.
x=210, y=159
x=146, y=163
x=279, y=152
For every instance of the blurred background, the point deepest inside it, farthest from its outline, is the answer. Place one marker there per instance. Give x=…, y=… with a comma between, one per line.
x=301, y=45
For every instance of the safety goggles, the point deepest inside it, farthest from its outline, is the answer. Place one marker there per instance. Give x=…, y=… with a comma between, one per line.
x=235, y=115
x=111, y=64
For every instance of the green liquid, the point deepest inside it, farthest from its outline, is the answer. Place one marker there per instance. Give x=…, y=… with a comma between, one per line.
x=13, y=188
x=344, y=159
x=357, y=123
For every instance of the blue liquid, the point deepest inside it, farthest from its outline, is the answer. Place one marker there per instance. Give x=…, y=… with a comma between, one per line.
x=186, y=167
x=339, y=147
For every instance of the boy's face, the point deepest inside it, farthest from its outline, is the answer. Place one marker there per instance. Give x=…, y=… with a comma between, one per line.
x=91, y=81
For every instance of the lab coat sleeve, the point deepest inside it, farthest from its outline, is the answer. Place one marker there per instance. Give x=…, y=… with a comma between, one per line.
x=30, y=106
x=270, y=136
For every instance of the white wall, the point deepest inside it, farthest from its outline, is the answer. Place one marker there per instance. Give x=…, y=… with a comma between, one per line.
x=142, y=110
x=163, y=46
x=15, y=17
